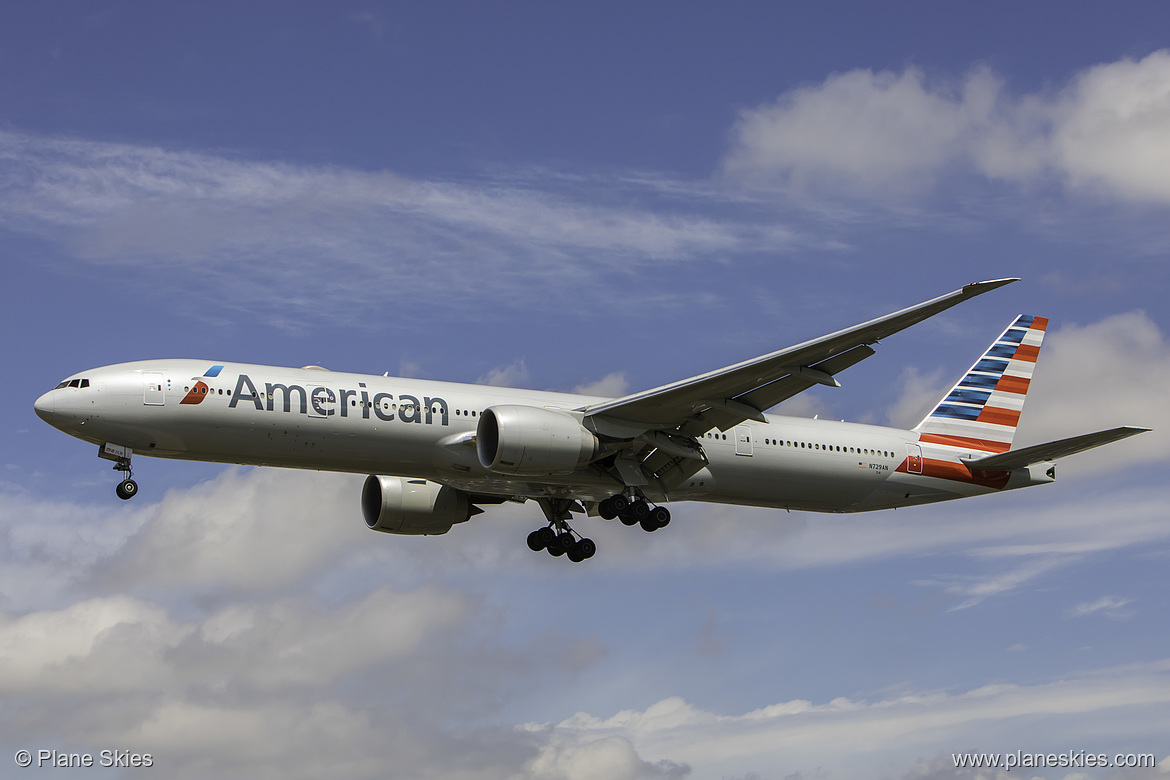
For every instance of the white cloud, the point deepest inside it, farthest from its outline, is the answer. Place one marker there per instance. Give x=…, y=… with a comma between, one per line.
x=91, y=647
x=247, y=529
x=870, y=129
x=887, y=133
x=860, y=734
x=124, y=644
x=513, y=375
x=285, y=239
x=1110, y=606
x=318, y=662
x=974, y=589
x=608, y=758
x=920, y=393
x=1111, y=126
x=612, y=385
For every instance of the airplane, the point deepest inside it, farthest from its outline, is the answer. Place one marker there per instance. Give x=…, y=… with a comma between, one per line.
x=437, y=452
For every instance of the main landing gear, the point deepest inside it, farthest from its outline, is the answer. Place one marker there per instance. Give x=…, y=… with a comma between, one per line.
x=636, y=511
x=558, y=537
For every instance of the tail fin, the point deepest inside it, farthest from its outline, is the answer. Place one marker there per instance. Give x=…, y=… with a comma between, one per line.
x=981, y=411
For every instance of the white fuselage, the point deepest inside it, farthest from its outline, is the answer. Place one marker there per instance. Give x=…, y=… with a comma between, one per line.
x=332, y=421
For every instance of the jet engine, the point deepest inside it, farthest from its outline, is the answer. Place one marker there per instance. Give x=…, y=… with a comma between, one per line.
x=397, y=505
x=531, y=441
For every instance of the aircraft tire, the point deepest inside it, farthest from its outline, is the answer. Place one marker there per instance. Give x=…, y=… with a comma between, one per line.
x=661, y=516
x=540, y=539
x=126, y=489
x=619, y=503
x=639, y=510
x=628, y=520
x=606, y=510
x=648, y=524
x=561, y=544
x=582, y=550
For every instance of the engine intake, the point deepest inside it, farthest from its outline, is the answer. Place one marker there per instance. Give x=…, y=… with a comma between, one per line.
x=531, y=441
x=396, y=505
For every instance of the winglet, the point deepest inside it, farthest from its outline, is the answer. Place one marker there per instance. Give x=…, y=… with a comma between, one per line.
x=978, y=288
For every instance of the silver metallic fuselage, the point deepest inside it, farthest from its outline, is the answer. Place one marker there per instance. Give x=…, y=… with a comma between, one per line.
x=332, y=421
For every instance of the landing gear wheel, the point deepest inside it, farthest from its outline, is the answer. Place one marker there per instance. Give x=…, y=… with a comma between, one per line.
x=582, y=550
x=620, y=504
x=639, y=510
x=561, y=544
x=661, y=516
x=627, y=520
x=606, y=510
x=126, y=489
x=540, y=539
x=648, y=525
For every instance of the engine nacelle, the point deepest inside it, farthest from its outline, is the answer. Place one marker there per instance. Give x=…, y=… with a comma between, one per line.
x=396, y=505
x=531, y=441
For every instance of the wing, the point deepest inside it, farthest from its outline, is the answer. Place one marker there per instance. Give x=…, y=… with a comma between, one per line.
x=726, y=397
x=1040, y=453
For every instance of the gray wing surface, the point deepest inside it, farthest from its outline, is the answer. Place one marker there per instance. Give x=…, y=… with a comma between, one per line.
x=726, y=397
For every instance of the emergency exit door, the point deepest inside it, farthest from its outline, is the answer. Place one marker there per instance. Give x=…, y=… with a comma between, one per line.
x=152, y=389
x=743, y=440
x=913, y=459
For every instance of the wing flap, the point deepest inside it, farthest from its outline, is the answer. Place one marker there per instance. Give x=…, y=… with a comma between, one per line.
x=1053, y=450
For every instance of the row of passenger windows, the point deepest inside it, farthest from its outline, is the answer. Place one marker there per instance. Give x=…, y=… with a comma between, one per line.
x=829, y=448
x=813, y=446
x=73, y=383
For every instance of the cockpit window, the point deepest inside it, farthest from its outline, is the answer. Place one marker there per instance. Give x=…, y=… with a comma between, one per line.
x=85, y=383
x=78, y=383
x=63, y=384
x=75, y=383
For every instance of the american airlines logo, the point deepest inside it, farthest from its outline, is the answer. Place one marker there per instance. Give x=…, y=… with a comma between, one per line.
x=197, y=393
x=325, y=402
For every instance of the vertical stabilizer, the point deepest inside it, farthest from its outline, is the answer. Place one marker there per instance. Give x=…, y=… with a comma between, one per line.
x=980, y=413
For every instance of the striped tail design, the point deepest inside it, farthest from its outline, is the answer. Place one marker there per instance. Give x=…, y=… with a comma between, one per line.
x=981, y=411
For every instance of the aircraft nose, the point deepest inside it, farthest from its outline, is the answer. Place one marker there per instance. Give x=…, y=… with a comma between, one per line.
x=46, y=408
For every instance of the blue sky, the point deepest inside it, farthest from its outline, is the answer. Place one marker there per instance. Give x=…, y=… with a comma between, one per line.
x=605, y=197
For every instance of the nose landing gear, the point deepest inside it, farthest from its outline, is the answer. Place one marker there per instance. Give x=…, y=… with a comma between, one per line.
x=127, y=488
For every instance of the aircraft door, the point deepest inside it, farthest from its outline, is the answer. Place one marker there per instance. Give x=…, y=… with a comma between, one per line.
x=321, y=401
x=743, y=440
x=913, y=459
x=152, y=389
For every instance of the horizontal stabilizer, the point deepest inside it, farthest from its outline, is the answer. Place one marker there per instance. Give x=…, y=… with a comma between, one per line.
x=1015, y=459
